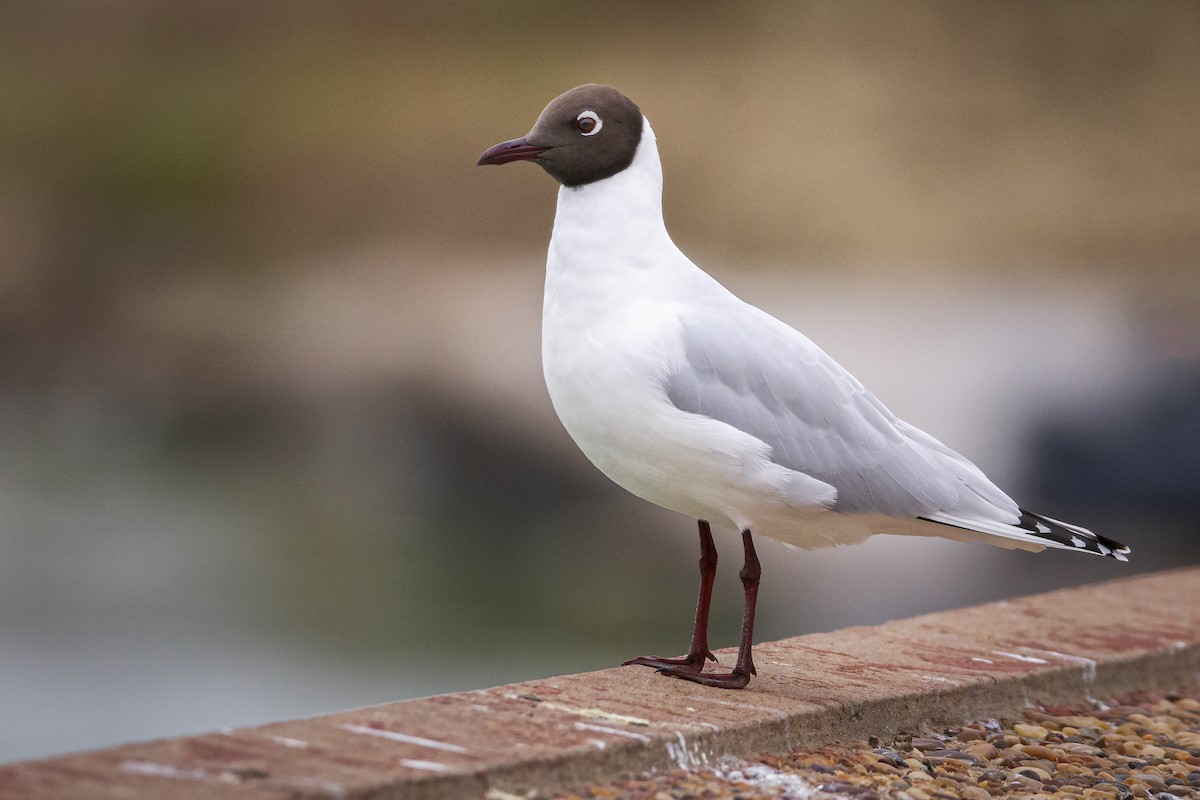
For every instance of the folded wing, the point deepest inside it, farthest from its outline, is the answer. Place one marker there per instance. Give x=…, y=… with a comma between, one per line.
x=764, y=378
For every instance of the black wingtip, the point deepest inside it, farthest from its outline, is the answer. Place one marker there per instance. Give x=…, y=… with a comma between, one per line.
x=1071, y=536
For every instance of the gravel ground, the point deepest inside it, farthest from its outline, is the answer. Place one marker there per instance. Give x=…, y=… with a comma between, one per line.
x=1139, y=746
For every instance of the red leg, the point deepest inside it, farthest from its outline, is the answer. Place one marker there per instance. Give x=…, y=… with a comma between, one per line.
x=698, y=652
x=744, y=668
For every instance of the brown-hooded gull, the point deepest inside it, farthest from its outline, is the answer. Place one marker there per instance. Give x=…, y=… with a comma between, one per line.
x=699, y=402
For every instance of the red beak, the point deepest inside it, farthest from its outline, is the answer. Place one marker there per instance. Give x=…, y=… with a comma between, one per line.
x=513, y=150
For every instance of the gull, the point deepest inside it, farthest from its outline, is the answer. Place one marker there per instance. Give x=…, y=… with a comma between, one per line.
x=692, y=399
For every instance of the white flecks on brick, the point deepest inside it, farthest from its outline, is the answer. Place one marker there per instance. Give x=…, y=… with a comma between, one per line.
x=287, y=741
x=1088, y=664
x=431, y=766
x=1019, y=657
x=405, y=738
x=587, y=726
x=685, y=757
x=597, y=713
x=166, y=771
x=939, y=679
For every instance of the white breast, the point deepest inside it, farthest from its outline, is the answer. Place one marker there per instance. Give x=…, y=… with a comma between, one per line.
x=610, y=335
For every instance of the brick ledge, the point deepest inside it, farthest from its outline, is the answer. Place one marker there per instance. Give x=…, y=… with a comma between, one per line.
x=937, y=669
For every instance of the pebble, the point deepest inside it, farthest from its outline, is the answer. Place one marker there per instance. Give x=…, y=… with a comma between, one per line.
x=1021, y=781
x=1030, y=731
x=889, y=756
x=1039, y=751
x=1140, y=747
x=1033, y=773
x=980, y=750
x=923, y=743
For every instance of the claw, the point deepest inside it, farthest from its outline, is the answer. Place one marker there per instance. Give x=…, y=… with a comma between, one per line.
x=693, y=662
x=720, y=680
x=691, y=666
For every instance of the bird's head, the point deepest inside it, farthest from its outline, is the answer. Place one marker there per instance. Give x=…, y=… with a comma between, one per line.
x=584, y=135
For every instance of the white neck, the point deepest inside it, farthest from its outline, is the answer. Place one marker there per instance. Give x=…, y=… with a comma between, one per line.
x=619, y=216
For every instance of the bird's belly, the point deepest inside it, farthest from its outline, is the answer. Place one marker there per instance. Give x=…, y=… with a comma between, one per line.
x=650, y=455
x=626, y=426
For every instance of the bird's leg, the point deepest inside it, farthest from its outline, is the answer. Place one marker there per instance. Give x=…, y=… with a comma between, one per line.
x=698, y=652
x=744, y=668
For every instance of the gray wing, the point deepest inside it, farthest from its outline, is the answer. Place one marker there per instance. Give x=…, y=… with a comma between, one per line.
x=762, y=377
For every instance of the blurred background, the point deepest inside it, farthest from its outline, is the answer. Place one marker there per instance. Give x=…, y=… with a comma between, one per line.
x=273, y=435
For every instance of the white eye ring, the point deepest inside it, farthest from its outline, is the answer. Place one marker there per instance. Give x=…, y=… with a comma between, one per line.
x=594, y=117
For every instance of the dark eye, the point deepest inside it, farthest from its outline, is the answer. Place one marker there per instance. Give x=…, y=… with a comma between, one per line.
x=589, y=123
